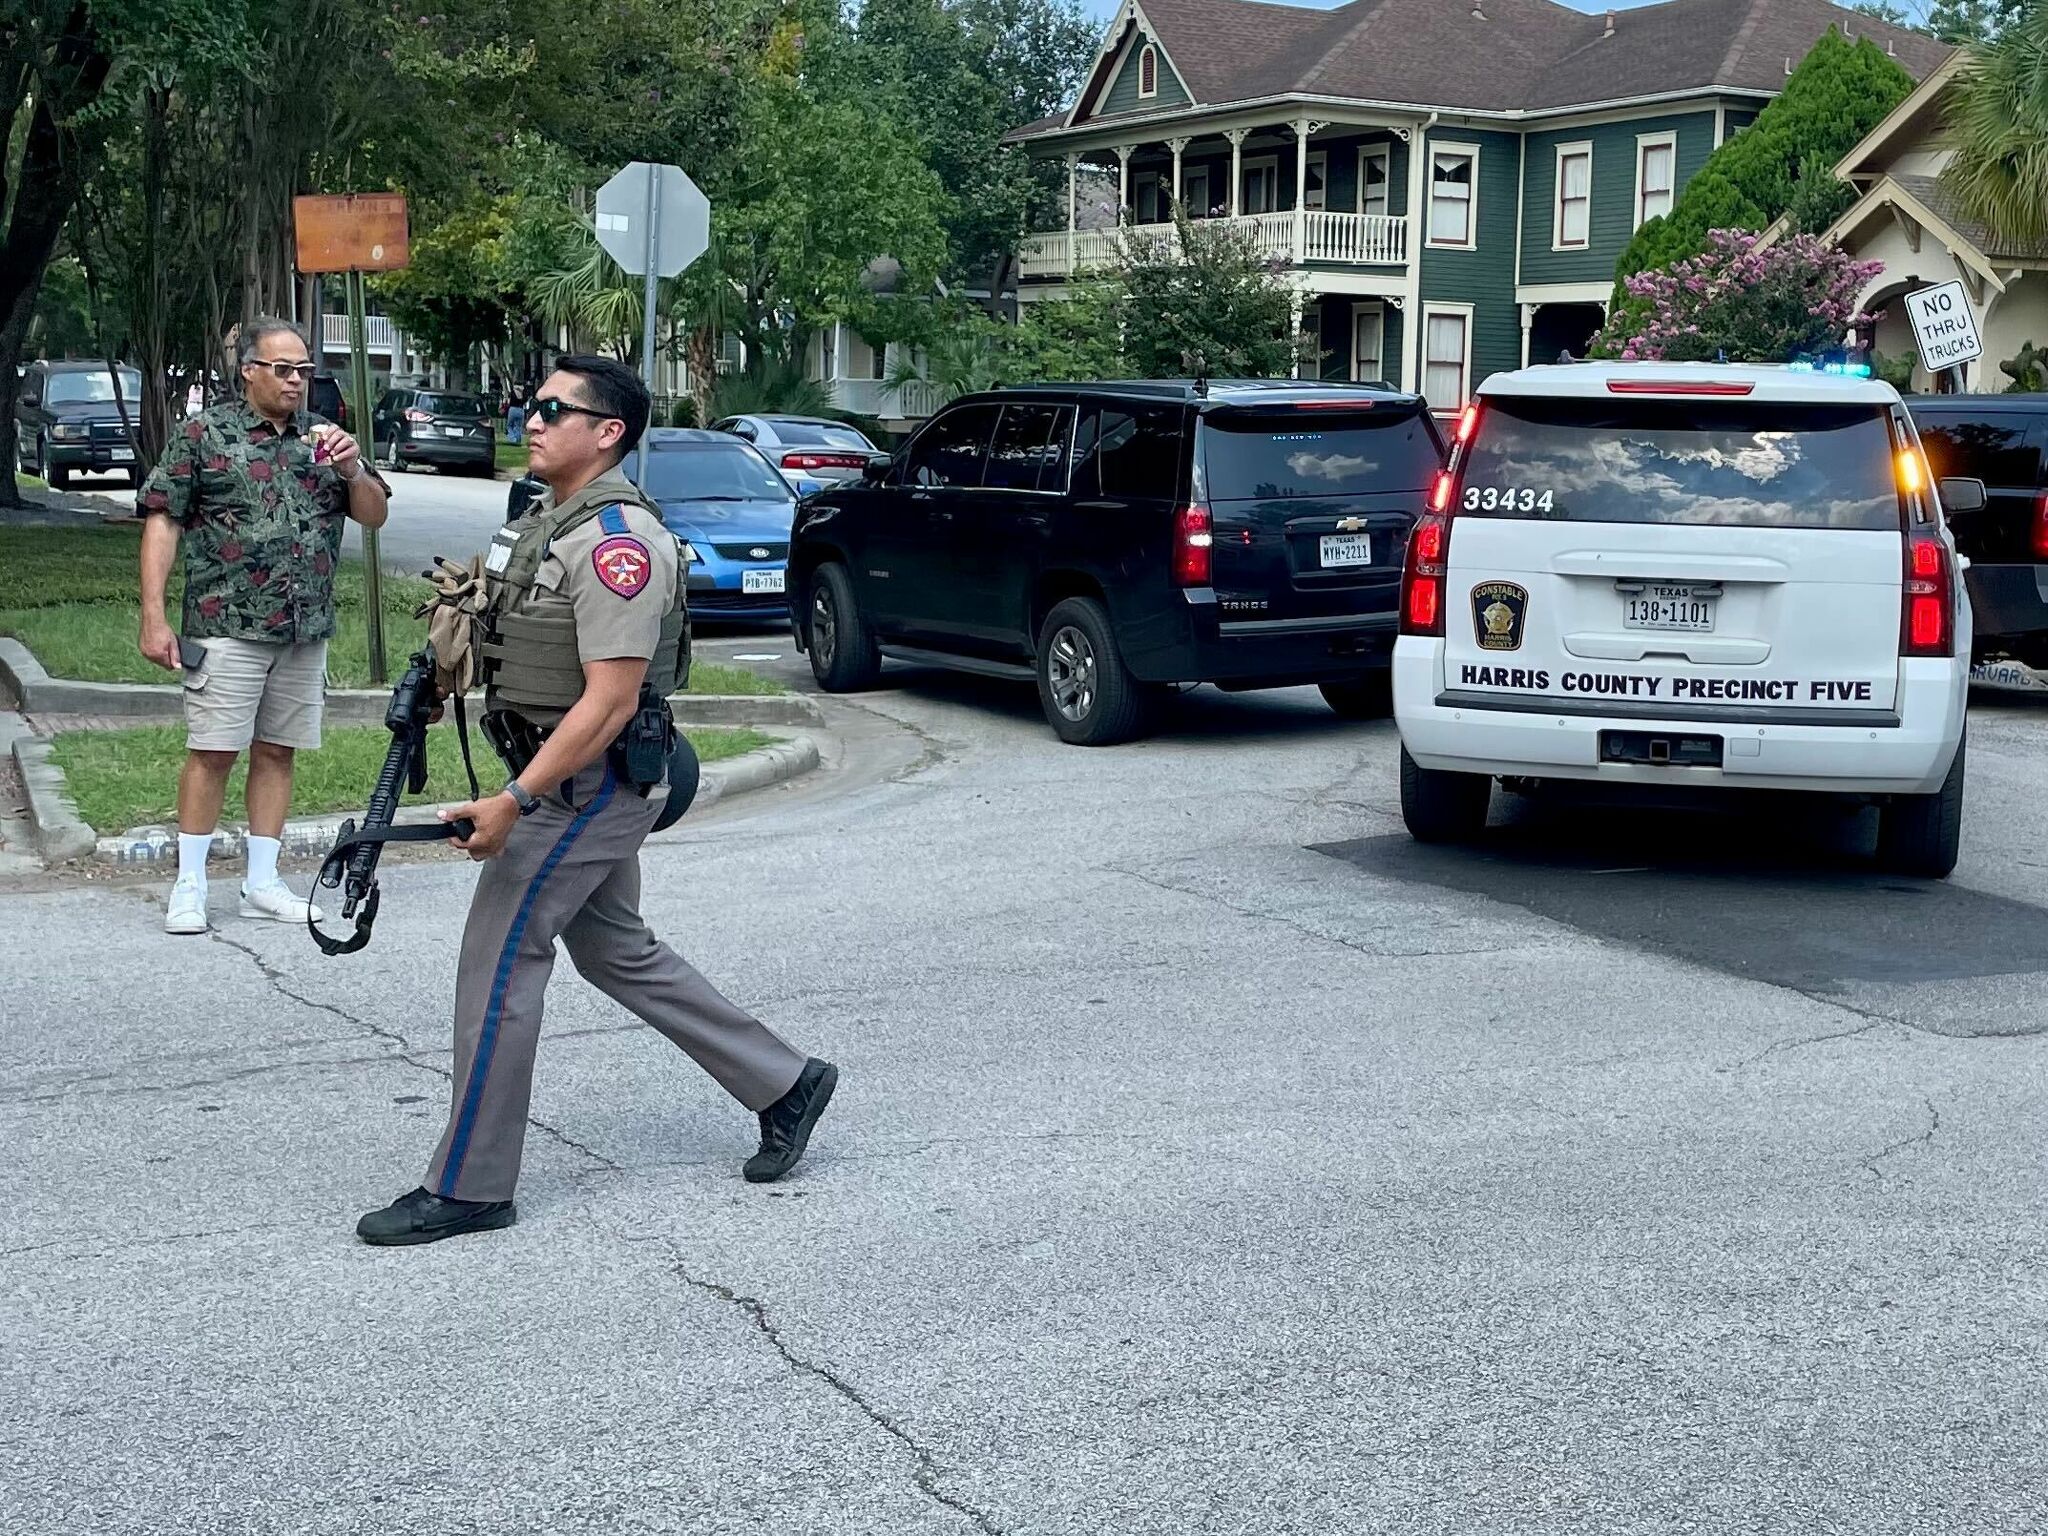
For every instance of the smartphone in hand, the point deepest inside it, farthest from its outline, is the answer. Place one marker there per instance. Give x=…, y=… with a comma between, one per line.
x=191, y=654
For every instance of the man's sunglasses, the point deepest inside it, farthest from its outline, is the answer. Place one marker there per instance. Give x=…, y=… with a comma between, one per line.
x=553, y=409
x=285, y=371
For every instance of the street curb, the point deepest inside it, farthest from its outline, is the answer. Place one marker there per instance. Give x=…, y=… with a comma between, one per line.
x=60, y=833
x=38, y=693
x=311, y=836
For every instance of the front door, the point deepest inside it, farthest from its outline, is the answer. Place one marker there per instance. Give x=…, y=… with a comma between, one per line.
x=916, y=530
x=996, y=541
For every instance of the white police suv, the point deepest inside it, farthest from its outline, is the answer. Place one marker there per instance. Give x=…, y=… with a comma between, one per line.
x=1698, y=574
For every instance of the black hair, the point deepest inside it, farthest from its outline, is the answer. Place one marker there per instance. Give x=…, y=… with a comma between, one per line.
x=614, y=389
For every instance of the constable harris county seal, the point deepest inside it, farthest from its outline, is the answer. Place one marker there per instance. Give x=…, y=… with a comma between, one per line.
x=1498, y=608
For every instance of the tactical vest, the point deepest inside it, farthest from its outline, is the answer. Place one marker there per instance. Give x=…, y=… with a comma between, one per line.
x=531, y=662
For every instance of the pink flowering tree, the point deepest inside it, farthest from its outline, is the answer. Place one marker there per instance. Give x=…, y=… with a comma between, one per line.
x=1755, y=304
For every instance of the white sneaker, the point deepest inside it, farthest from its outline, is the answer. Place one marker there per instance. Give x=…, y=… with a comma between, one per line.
x=276, y=902
x=187, y=910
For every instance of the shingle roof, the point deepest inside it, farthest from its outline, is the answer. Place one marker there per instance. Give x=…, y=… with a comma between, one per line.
x=1500, y=55
x=1942, y=203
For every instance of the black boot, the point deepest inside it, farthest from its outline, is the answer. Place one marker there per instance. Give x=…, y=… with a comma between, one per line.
x=786, y=1124
x=425, y=1217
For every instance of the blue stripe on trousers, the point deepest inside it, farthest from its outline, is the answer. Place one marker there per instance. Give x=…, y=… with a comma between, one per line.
x=487, y=1037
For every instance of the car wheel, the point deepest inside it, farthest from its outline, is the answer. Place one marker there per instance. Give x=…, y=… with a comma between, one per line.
x=387, y=456
x=1440, y=806
x=844, y=655
x=1922, y=834
x=1088, y=694
x=1370, y=697
x=56, y=476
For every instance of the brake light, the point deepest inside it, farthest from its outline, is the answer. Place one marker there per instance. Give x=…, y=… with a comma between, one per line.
x=1680, y=386
x=2041, y=526
x=1194, y=538
x=1422, y=578
x=416, y=414
x=1468, y=423
x=1929, y=599
x=1440, y=492
x=823, y=461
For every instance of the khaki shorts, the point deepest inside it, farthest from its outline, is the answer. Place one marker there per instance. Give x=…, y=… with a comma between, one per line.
x=251, y=690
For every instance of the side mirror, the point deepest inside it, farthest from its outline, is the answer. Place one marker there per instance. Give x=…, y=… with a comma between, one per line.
x=1961, y=495
x=877, y=468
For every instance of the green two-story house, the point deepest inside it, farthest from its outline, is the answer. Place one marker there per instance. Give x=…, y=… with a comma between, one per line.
x=1450, y=182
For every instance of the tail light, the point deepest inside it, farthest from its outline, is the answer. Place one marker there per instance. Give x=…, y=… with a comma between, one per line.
x=1194, y=539
x=824, y=461
x=2041, y=526
x=1429, y=541
x=416, y=414
x=1925, y=619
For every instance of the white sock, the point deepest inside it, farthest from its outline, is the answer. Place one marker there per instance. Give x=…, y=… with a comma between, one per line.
x=263, y=862
x=192, y=847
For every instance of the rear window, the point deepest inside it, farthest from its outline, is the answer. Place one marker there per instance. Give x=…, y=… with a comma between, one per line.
x=1682, y=461
x=2002, y=451
x=818, y=434
x=1288, y=454
x=456, y=405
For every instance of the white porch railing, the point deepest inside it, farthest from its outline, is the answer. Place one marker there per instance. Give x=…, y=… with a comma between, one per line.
x=878, y=397
x=1332, y=239
x=379, y=334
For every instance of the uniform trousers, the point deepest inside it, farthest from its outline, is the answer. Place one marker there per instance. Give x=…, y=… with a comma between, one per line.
x=571, y=870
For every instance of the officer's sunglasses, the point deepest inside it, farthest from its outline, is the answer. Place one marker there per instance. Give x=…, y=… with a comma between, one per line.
x=553, y=409
x=285, y=371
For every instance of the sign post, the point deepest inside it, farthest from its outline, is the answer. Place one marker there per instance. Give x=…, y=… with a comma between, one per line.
x=653, y=221
x=1944, y=329
x=356, y=234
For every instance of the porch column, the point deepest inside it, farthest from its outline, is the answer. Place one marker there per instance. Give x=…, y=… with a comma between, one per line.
x=1236, y=137
x=1528, y=320
x=1412, y=325
x=1176, y=145
x=1123, y=181
x=1294, y=308
x=1300, y=187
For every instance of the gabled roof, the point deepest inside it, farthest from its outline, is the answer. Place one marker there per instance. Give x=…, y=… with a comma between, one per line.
x=1923, y=205
x=1492, y=55
x=1910, y=120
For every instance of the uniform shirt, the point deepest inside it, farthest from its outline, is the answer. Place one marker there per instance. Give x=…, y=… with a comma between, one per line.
x=616, y=574
x=262, y=525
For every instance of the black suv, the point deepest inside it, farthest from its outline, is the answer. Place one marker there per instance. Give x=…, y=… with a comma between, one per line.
x=1998, y=439
x=1111, y=540
x=66, y=420
x=440, y=427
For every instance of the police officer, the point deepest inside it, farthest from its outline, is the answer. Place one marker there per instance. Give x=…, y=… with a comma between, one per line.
x=586, y=607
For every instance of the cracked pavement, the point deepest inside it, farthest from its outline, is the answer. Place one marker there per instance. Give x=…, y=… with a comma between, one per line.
x=1207, y=1158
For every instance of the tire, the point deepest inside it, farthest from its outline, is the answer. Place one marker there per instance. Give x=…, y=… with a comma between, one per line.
x=386, y=457
x=1440, y=806
x=1367, y=697
x=56, y=476
x=1920, y=835
x=844, y=655
x=1088, y=694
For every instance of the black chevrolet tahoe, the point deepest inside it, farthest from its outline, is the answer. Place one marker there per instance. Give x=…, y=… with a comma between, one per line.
x=1998, y=439
x=1112, y=540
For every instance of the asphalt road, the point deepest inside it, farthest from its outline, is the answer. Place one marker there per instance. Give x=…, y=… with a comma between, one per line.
x=430, y=514
x=1208, y=1158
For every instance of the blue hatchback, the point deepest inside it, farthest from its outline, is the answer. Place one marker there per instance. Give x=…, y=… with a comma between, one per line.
x=733, y=509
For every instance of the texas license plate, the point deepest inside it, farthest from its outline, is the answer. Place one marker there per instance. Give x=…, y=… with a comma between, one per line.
x=761, y=581
x=1347, y=549
x=454, y=431
x=1668, y=607
x=122, y=455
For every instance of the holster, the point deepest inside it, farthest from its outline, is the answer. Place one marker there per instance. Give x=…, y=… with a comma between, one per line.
x=514, y=738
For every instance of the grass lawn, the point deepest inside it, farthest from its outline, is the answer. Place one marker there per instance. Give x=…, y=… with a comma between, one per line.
x=68, y=594
x=129, y=778
x=512, y=456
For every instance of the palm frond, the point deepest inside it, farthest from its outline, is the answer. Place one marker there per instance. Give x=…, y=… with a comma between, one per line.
x=1999, y=123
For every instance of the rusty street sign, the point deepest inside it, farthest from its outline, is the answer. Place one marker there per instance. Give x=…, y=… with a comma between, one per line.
x=359, y=232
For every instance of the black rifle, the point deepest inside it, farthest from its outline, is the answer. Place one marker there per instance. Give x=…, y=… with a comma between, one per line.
x=351, y=864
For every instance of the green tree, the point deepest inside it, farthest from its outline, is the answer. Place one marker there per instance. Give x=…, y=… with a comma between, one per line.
x=1972, y=21
x=1883, y=10
x=1999, y=121
x=1205, y=300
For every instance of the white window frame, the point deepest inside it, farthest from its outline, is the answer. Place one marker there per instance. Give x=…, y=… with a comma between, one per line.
x=1270, y=164
x=1565, y=152
x=1463, y=314
x=1384, y=153
x=1376, y=312
x=828, y=354
x=1471, y=240
x=1645, y=142
x=1189, y=176
x=1149, y=54
x=1317, y=158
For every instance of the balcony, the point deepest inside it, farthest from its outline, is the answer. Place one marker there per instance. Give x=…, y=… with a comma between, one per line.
x=879, y=398
x=1328, y=239
x=379, y=334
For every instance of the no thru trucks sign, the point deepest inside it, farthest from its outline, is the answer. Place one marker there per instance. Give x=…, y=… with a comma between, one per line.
x=1944, y=326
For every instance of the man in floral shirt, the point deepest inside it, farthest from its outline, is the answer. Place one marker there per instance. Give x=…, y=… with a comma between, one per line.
x=258, y=491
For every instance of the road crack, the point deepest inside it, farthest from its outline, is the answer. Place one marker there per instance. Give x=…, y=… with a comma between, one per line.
x=1924, y=1138
x=926, y=1471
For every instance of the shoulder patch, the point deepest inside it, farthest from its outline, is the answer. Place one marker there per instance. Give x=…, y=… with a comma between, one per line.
x=622, y=563
x=613, y=519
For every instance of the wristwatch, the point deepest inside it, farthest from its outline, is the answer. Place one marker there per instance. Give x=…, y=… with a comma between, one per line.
x=524, y=798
